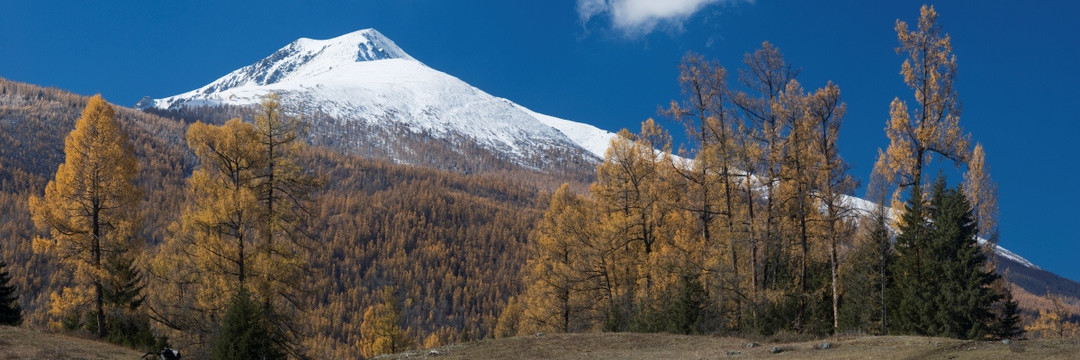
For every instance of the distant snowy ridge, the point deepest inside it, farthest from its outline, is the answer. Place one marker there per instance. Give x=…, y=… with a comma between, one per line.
x=365, y=76
x=867, y=207
x=589, y=137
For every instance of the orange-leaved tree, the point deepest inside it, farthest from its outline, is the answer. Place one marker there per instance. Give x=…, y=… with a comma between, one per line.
x=932, y=127
x=88, y=207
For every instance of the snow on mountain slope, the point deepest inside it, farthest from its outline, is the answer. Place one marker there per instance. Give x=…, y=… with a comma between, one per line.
x=365, y=76
x=867, y=207
x=589, y=137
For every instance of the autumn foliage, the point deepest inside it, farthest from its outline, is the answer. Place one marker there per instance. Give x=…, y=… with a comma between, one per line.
x=202, y=226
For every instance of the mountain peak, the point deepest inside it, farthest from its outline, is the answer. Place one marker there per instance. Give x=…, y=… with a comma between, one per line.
x=307, y=58
x=360, y=45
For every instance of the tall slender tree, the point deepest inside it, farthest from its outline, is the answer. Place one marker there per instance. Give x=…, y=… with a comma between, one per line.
x=243, y=225
x=765, y=76
x=794, y=188
x=215, y=235
x=221, y=216
x=833, y=184
x=712, y=187
x=630, y=190
x=981, y=191
x=932, y=127
x=88, y=207
x=283, y=189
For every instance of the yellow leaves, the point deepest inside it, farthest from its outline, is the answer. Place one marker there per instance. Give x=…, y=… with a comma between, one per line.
x=43, y=245
x=981, y=191
x=230, y=147
x=1054, y=323
x=380, y=332
x=239, y=224
x=432, y=341
x=932, y=128
x=901, y=156
x=69, y=305
x=89, y=208
x=508, y=324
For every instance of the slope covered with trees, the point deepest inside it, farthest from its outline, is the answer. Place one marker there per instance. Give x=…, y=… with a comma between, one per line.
x=451, y=244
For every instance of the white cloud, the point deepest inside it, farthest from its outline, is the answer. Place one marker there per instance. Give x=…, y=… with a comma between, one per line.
x=639, y=17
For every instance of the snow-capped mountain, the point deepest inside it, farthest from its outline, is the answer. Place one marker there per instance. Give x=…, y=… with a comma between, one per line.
x=365, y=77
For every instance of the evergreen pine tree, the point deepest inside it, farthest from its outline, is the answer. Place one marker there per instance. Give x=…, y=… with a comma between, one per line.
x=245, y=333
x=942, y=284
x=10, y=311
x=910, y=289
x=124, y=288
x=1007, y=317
x=126, y=321
x=964, y=296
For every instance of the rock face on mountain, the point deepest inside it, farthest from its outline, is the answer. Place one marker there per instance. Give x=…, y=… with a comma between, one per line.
x=362, y=82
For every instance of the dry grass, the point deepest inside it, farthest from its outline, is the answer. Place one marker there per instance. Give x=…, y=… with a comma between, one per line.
x=20, y=343
x=666, y=346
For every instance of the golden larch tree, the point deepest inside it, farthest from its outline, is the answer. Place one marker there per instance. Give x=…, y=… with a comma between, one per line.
x=981, y=191
x=88, y=207
x=555, y=275
x=765, y=76
x=932, y=127
x=283, y=190
x=795, y=185
x=381, y=331
x=210, y=251
x=223, y=205
x=710, y=179
x=631, y=194
x=826, y=112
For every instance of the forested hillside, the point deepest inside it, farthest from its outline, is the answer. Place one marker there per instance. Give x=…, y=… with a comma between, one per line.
x=449, y=245
x=33, y=124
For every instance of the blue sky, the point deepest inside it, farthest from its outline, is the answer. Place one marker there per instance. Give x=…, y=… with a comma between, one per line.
x=611, y=63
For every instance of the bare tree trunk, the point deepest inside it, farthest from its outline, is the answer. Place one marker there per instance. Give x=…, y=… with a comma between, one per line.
x=99, y=300
x=835, y=284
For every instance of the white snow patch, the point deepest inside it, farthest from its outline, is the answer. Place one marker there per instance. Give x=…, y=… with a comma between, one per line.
x=867, y=207
x=591, y=138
